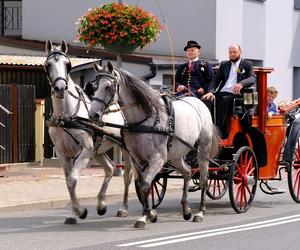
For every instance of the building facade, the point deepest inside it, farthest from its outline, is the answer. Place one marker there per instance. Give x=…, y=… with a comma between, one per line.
x=267, y=30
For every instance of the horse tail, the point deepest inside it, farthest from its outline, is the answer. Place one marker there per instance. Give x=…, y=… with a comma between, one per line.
x=215, y=142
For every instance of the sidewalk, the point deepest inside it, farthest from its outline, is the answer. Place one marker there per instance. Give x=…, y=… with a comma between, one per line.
x=26, y=187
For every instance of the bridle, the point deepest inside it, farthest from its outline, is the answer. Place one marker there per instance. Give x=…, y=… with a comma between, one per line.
x=56, y=54
x=95, y=85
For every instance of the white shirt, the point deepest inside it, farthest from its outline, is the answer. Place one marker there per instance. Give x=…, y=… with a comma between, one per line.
x=195, y=60
x=232, y=78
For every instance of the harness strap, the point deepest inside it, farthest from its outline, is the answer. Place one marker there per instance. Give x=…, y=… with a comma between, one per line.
x=147, y=129
x=72, y=136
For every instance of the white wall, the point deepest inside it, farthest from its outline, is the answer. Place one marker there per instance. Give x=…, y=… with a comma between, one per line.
x=253, y=20
x=229, y=26
x=295, y=56
x=278, y=48
x=55, y=19
x=267, y=31
x=193, y=20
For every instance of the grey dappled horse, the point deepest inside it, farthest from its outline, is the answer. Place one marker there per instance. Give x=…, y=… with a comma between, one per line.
x=145, y=115
x=74, y=143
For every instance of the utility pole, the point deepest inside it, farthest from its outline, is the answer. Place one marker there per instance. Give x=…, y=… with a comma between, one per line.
x=117, y=151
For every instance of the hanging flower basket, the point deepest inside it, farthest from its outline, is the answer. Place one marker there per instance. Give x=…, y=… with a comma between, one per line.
x=121, y=48
x=118, y=28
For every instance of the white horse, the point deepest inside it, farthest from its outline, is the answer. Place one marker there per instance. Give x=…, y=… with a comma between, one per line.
x=74, y=142
x=147, y=134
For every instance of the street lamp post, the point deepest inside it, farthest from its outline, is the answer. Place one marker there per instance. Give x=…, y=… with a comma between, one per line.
x=117, y=151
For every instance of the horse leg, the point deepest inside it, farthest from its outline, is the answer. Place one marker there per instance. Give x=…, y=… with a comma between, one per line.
x=203, y=170
x=67, y=167
x=108, y=166
x=154, y=167
x=185, y=171
x=127, y=176
x=79, y=163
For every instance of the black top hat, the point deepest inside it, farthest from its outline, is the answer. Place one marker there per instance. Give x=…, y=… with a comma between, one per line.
x=192, y=44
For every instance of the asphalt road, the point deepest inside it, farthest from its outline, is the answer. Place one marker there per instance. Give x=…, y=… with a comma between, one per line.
x=271, y=223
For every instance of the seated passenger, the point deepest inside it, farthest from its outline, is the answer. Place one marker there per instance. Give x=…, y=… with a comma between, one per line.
x=194, y=76
x=232, y=76
x=271, y=107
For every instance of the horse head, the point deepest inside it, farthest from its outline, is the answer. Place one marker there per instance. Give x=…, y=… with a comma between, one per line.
x=103, y=89
x=57, y=67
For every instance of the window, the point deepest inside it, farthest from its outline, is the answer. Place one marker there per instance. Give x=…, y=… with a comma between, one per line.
x=297, y=4
x=168, y=81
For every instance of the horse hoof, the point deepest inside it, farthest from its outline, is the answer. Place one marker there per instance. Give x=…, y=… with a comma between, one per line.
x=187, y=216
x=84, y=214
x=70, y=221
x=197, y=218
x=101, y=211
x=153, y=216
x=121, y=213
x=153, y=219
x=139, y=224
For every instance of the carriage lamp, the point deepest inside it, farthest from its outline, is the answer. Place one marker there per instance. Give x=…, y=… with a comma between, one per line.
x=250, y=97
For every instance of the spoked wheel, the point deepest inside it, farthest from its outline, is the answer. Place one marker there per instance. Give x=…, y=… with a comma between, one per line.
x=294, y=174
x=216, y=189
x=157, y=190
x=243, y=179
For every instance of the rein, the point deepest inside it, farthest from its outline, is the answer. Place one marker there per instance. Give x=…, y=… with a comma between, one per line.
x=140, y=128
x=121, y=108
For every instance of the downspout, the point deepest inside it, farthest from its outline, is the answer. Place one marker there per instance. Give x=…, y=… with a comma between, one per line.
x=152, y=74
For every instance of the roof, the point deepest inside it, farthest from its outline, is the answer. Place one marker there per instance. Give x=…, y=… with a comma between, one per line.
x=73, y=50
x=38, y=60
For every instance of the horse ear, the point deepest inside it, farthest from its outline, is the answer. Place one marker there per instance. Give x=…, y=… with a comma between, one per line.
x=48, y=46
x=64, y=46
x=97, y=67
x=110, y=66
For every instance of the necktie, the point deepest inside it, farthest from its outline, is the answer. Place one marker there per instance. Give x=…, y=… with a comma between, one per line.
x=190, y=66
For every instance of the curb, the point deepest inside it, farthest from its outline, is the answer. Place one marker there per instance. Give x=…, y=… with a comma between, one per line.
x=63, y=203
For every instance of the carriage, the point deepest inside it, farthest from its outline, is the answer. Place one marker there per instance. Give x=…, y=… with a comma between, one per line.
x=251, y=155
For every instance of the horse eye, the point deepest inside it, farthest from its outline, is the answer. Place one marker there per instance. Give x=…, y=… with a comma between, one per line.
x=107, y=87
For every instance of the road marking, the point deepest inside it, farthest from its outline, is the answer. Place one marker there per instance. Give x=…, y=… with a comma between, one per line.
x=213, y=232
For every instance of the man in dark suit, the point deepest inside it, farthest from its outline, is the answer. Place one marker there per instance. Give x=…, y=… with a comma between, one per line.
x=193, y=77
x=232, y=76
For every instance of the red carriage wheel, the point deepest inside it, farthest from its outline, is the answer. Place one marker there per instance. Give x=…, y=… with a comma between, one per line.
x=216, y=189
x=157, y=190
x=294, y=174
x=243, y=179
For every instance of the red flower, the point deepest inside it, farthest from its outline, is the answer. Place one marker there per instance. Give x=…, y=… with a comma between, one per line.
x=120, y=23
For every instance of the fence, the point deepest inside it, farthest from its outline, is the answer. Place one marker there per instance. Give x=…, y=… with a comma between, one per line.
x=18, y=135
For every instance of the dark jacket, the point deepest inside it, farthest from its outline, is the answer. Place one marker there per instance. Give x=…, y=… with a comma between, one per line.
x=199, y=77
x=246, y=75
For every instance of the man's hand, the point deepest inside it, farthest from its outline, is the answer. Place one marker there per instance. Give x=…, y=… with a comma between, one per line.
x=200, y=91
x=209, y=96
x=237, y=88
x=181, y=88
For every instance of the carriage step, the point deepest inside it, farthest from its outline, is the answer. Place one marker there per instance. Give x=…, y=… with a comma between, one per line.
x=267, y=189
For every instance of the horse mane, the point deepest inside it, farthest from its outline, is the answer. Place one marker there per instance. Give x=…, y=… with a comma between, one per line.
x=145, y=95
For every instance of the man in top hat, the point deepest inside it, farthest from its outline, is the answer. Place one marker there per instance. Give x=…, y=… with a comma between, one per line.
x=193, y=77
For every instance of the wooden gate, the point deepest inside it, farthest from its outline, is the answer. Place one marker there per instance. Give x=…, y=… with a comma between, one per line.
x=6, y=125
x=48, y=145
x=18, y=135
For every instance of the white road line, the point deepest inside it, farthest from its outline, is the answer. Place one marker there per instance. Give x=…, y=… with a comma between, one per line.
x=218, y=233
x=283, y=220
